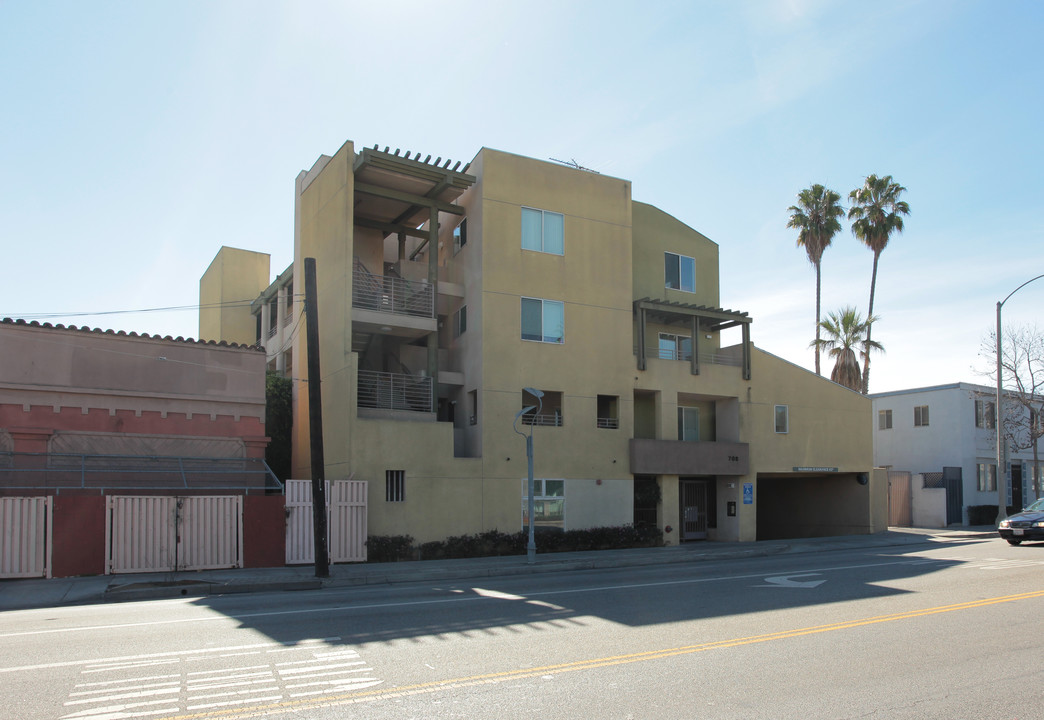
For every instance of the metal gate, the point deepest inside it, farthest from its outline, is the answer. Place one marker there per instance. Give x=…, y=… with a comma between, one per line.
x=694, y=509
x=345, y=521
x=900, y=510
x=164, y=534
x=25, y=537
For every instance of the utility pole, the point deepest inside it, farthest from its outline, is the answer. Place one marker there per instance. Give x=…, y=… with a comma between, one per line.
x=315, y=421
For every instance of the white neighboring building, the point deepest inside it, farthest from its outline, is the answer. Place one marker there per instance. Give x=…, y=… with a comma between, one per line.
x=923, y=430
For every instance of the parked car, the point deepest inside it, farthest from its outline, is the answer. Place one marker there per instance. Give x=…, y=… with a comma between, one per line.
x=1026, y=525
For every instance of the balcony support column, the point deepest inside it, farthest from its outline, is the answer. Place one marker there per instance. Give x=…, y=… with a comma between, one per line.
x=746, y=351
x=641, y=338
x=694, y=361
x=433, y=282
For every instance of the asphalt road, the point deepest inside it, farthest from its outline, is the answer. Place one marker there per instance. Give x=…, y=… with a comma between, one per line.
x=939, y=630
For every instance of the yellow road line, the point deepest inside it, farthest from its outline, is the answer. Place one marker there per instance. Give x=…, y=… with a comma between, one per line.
x=427, y=687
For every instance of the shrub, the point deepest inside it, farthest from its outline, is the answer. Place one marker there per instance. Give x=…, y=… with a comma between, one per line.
x=389, y=548
x=985, y=514
x=493, y=543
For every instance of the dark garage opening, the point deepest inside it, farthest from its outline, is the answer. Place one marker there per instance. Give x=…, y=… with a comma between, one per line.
x=804, y=506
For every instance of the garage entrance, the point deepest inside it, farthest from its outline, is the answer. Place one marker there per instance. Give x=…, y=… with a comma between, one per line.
x=798, y=505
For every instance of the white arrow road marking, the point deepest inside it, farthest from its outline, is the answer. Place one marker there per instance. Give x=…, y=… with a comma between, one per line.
x=789, y=581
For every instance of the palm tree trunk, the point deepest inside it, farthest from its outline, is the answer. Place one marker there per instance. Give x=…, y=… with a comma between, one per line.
x=818, y=287
x=870, y=327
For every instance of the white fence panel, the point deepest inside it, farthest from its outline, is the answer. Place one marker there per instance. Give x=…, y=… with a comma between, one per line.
x=211, y=532
x=25, y=537
x=348, y=521
x=345, y=521
x=163, y=534
x=141, y=533
x=300, y=542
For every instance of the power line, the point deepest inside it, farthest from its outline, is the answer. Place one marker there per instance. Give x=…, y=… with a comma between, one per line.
x=173, y=308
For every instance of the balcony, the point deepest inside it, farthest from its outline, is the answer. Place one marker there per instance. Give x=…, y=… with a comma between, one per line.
x=685, y=355
x=387, y=294
x=394, y=391
x=675, y=457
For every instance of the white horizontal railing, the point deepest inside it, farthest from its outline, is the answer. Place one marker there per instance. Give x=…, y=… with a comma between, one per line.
x=655, y=351
x=554, y=420
x=394, y=391
x=391, y=294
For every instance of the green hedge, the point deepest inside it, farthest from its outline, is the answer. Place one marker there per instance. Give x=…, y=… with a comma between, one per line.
x=394, y=548
x=985, y=514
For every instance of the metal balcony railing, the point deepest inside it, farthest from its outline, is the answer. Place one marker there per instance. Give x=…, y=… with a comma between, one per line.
x=609, y=423
x=654, y=351
x=394, y=391
x=554, y=420
x=385, y=293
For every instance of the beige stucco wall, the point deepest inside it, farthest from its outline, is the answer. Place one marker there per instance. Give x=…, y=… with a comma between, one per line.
x=324, y=231
x=234, y=279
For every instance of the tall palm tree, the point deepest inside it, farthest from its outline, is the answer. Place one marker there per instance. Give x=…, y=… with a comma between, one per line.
x=876, y=213
x=846, y=334
x=816, y=219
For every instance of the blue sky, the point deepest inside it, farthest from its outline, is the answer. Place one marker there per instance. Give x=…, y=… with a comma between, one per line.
x=137, y=138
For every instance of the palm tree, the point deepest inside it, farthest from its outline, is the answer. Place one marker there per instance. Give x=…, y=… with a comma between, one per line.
x=816, y=219
x=846, y=332
x=876, y=213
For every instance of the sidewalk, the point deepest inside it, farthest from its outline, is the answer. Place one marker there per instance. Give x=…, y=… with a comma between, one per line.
x=37, y=593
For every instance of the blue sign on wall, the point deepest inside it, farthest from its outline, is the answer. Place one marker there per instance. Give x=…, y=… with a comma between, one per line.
x=748, y=493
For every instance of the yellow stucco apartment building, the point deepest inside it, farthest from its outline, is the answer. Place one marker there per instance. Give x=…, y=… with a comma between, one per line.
x=443, y=293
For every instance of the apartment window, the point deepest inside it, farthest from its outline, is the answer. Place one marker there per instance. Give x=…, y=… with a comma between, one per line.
x=675, y=347
x=289, y=303
x=607, y=412
x=688, y=424
x=679, y=272
x=460, y=321
x=884, y=419
x=987, y=477
x=472, y=407
x=782, y=419
x=984, y=414
x=460, y=236
x=395, y=485
x=543, y=231
x=273, y=316
x=921, y=416
x=548, y=504
x=543, y=320
x=550, y=406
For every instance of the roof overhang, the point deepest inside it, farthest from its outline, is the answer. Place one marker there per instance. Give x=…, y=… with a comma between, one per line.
x=711, y=318
x=396, y=194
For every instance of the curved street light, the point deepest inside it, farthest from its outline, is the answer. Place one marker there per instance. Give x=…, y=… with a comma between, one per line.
x=531, y=547
x=1002, y=486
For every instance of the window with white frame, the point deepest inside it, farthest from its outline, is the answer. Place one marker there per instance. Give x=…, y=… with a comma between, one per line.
x=460, y=321
x=679, y=272
x=986, y=477
x=543, y=231
x=921, y=416
x=548, y=503
x=395, y=485
x=543, y=320
x=675, y=347
x=688, y=424
x=782, y=414
x=984, y=414
x=884, y=419
x=460, y=236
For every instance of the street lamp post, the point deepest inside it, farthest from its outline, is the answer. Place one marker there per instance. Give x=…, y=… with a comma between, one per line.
x=531, y=547
x=1002, y=485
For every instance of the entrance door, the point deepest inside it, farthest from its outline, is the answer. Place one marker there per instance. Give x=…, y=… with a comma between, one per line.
x=1016, y=486
x=694, y=498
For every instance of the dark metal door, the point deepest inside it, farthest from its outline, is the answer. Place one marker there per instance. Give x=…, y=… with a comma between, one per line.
x=952, y=480
x=693, y=509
